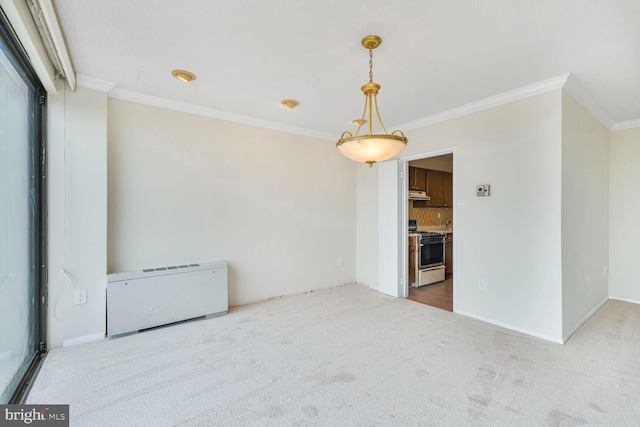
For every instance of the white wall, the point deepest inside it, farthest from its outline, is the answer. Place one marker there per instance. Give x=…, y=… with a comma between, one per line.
x=77, y=198
x=280, y=208
x=512, y=238
x=585, y=214
x=367, y=225
x=624, y=208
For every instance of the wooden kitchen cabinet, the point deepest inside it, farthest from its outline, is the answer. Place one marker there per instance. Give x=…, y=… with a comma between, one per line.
x=417, y=180
x=448, y=255
x=448, y=190
x=437, y=184
x=435, y=188
x=413, y=253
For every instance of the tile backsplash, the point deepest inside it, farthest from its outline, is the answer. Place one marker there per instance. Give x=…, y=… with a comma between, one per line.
x=429, y=216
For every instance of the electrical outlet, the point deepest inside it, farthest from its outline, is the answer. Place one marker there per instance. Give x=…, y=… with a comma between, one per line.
x=605, y=270
x=483, y=190
x=482, y=284
x=588, y=281
x=80, y=297
x=340, y=261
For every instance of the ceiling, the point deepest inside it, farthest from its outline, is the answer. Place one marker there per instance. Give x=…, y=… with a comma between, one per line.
x=436, y=55
x=439, y=163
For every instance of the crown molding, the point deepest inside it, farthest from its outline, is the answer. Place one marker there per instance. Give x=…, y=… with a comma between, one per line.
x=579, y=93
x=95, y=84
x=490, y=102
x=566, y=82
x=154, y=101
x=628, y=124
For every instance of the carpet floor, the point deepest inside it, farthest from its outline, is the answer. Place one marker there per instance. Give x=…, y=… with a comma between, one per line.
x=351, y=356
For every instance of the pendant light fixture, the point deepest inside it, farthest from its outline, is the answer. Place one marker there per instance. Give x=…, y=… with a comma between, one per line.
x=371, y=148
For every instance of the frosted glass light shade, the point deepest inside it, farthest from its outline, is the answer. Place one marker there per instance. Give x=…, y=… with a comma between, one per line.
x=371, y=148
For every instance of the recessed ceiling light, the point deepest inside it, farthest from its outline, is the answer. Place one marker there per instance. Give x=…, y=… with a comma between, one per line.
x=290, y=103
x=183, y=75
x=359, y=121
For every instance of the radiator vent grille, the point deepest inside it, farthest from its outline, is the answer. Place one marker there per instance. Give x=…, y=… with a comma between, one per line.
x=166, y=270
x=173, y=267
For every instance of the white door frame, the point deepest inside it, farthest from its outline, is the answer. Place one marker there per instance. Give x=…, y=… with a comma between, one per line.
x=403, y=207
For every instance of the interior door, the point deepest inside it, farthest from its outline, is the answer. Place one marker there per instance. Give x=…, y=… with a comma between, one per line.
x=390, y=254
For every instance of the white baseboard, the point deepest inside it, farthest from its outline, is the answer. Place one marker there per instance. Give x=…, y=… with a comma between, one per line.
x=375, y=288
x=291, y=294
x=511, y=327
x=625, y=299
x=83, y=340
x=584, y=319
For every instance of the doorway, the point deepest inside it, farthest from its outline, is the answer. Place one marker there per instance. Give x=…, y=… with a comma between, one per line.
x=431, y=175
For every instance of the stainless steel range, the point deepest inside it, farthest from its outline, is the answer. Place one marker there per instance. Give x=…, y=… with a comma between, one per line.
x=431, y=249
x=431, y=258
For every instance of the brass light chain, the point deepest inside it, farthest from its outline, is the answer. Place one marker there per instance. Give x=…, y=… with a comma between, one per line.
x=371, y=65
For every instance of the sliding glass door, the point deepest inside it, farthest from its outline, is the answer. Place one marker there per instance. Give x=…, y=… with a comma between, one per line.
x=21, y=217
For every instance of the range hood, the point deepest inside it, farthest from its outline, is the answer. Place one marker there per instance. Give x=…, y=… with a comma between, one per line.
x=418, y=195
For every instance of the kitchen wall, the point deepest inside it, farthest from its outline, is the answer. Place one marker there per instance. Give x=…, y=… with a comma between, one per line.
x=429, y=216
x=511, y=239
x=585, y=214
x=624, y=205
x=280, y=208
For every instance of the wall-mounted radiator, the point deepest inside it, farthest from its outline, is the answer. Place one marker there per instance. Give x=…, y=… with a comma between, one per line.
x=152, y=297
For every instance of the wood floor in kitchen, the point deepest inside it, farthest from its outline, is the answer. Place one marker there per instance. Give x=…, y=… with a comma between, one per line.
x=438, y=295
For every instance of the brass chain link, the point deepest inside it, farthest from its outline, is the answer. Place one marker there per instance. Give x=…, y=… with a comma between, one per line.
x=370, y=65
